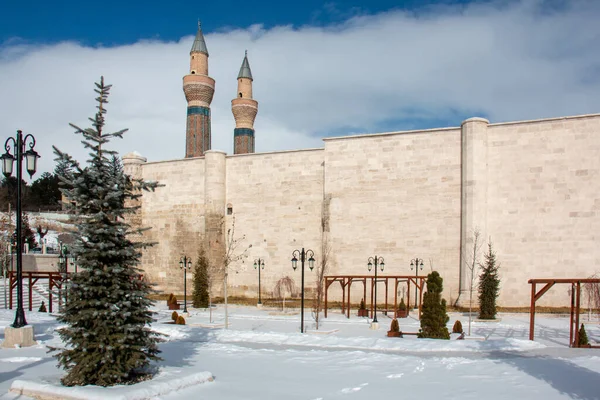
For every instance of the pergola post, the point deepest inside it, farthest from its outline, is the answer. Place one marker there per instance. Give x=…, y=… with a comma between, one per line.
x=408, y=296
x=571, y=333
x=349, y=284
x=386, y=296
x=395, y=296
x=532, y=312
x=326, y=290
x=577, y=309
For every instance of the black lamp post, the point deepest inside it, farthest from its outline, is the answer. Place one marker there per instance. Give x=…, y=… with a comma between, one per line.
x=259, y=264
x=185, y=263
x=416, y=263
x=311, y=264
x=377, y=261
x=31, y=157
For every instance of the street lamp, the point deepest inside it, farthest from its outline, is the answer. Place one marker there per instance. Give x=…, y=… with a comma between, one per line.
x=416, y=263
x=31, y=157
x=377, y=261
x=185, y=264
x=259, y=264
x=311, y=264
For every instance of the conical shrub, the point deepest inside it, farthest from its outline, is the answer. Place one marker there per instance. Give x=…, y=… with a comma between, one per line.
x=180, y=320
x=434, y=317
x=583, y=339
x=174, y=316
x=395, y=326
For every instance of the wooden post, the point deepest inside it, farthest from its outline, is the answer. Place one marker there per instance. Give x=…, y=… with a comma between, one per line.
x=571, y=335
x=10, y=285
x=421, y=285
x=577, y=309
x=372, y=308
x=30, y=292
x=326, y=290
x=365, y=290
x=50, y=284
x=386, y=297
x=532, y=312
x=343, y=296
x=408, y=295
x=395, y=296
x=349, y=284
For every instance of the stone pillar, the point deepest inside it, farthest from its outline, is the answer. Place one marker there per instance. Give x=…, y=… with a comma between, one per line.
x=214, y=205
x=132, y=166
x=474, y=167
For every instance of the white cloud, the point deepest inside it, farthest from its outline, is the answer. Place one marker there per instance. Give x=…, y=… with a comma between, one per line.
x=505, y=60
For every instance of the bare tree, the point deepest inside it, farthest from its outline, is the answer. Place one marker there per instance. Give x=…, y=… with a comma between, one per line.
x=282, y=287
x=234, y=252
x=321, y=270
x=592, y=291
x=473, y=264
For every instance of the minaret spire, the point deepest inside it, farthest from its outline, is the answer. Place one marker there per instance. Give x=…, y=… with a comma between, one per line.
x=244, y=109
x=199, y=43
x=199, y=89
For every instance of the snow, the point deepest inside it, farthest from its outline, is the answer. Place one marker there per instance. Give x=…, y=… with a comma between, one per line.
x=160, y=385
x=264, y=356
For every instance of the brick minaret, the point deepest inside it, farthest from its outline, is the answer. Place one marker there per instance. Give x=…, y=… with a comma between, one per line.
x=199, y=89
x=244, y=109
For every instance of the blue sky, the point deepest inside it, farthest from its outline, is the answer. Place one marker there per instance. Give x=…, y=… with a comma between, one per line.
x=320, y=69
x=117, y=22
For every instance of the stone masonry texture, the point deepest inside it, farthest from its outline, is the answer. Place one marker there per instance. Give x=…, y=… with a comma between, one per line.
x=531, y=187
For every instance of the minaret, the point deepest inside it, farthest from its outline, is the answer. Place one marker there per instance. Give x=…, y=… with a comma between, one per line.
x=199, y=89
x=244, y=109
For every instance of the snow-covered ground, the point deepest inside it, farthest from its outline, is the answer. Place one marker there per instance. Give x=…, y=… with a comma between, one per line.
x=264, y=356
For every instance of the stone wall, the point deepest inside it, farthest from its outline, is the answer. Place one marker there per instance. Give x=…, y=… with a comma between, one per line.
x=396, y=196
x=544, y=204
x=529, y=186
x=276, y=200
x=175, y=214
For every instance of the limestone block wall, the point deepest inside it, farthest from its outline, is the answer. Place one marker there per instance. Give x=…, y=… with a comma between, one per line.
x=175, y=214
x=397, y=196
x=276, y=200
x=544, y=204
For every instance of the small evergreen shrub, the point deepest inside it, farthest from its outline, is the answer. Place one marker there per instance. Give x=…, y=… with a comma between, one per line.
x=180, y=320
x=395, y=326
x=434, y=317
x=362, y=304
x=42, y=307
x=489, y=285
x=174, y=316
x=457, y=328
x=402, y=305
x=583, y=339
x=200, y=297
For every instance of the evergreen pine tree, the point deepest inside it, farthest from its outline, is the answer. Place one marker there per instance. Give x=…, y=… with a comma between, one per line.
x=201, y=281
x=583, y=339
x=107, y=336
x=489, y=285
x=434, y=317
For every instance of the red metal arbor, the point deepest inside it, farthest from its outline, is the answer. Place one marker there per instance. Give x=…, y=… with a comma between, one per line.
x=347, y=280
x=575, y=304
